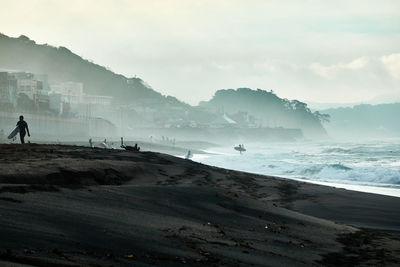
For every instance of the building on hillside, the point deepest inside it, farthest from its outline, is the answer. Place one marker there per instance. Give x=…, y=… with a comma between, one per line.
x=72, y=92
x=42, y=99
x=26, y=83
x=8, y=87
x=43, y=78
x=244, y=119
x=14, y=85
x=55, y=102
x=71, y=95
x=97, y=100
x=28, y=87
x=222, y=121
x=59, y=103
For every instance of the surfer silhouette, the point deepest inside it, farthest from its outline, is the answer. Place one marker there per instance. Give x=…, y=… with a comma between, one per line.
x=23, y=128
x=189, y=155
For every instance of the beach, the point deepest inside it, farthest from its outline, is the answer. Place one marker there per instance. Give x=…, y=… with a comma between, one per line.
x=77, y=206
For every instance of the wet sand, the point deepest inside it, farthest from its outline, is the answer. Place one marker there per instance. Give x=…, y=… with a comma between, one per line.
x=76, y=206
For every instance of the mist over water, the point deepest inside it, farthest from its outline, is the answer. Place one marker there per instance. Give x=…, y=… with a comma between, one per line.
x=371, y=163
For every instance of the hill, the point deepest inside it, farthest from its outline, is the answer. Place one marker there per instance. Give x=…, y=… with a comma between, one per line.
x=269, y=109
x=365, y=121
x=60, y=64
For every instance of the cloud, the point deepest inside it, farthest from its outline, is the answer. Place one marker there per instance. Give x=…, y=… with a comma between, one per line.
x=331, y=71
x=357, y=63
x=392, y=63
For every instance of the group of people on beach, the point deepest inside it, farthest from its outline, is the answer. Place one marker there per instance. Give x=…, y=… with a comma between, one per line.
x=105, y=145
x=23, y=129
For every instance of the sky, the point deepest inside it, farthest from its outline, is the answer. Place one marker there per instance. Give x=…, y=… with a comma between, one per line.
x=310, y=50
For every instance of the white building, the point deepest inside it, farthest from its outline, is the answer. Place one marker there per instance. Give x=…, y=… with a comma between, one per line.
x=97, y=100
x=15, y=84
x=222, y=121
x=72, y=92
x=8, y=87
x=71, y=95
x=27, y=87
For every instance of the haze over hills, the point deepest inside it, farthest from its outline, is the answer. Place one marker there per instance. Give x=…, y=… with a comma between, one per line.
x=322, y=106
x=371, y=121
x=388, y=98
x=135, y=104
x=60, y=64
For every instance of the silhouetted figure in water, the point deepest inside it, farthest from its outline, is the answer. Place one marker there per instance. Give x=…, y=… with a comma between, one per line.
x=23, y=129
x=189, y=155
x=240, y=148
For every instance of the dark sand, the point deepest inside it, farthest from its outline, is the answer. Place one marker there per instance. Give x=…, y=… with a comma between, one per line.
x=76, y=206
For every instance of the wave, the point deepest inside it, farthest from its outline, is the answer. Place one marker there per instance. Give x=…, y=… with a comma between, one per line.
x=335, y=150
x=312, y=170
x=344, y=174
x=363, y=150
x=340, y=166
x=371, y=164
x=318, y=168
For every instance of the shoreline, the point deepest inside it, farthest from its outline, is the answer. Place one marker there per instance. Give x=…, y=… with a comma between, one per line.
x=384, y=189
x=378, y=190
x=72, y=206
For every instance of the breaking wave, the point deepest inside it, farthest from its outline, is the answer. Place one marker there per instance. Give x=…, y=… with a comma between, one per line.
x=370, y=164
x=318, y=168
x=335, y=150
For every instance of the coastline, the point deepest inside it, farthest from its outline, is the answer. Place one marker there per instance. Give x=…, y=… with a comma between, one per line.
x=73, y=206
x=267, y=164
x=385, y=191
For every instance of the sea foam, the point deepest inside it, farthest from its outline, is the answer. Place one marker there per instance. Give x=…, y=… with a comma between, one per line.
x=372, y=164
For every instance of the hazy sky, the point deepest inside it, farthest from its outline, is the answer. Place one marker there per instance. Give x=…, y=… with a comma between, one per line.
x=322, y=51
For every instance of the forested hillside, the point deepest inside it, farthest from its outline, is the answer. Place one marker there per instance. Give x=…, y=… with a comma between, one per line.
x=60, y=64
x=269, y=109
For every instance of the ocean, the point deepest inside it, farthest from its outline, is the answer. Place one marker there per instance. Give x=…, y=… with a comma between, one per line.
x=372, y=166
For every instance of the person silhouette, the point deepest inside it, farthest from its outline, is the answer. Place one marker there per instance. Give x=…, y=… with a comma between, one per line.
x=23, y=129
x=189, y=155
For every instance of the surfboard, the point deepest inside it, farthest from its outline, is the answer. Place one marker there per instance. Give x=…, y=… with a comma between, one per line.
x=238, y=148
x=14, y=133
x=103, y=145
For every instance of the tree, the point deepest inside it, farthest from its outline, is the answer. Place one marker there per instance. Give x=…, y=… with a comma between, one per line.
x=322, y=117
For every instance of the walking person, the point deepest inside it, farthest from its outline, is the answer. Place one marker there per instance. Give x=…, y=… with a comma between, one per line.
x=23, y=129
